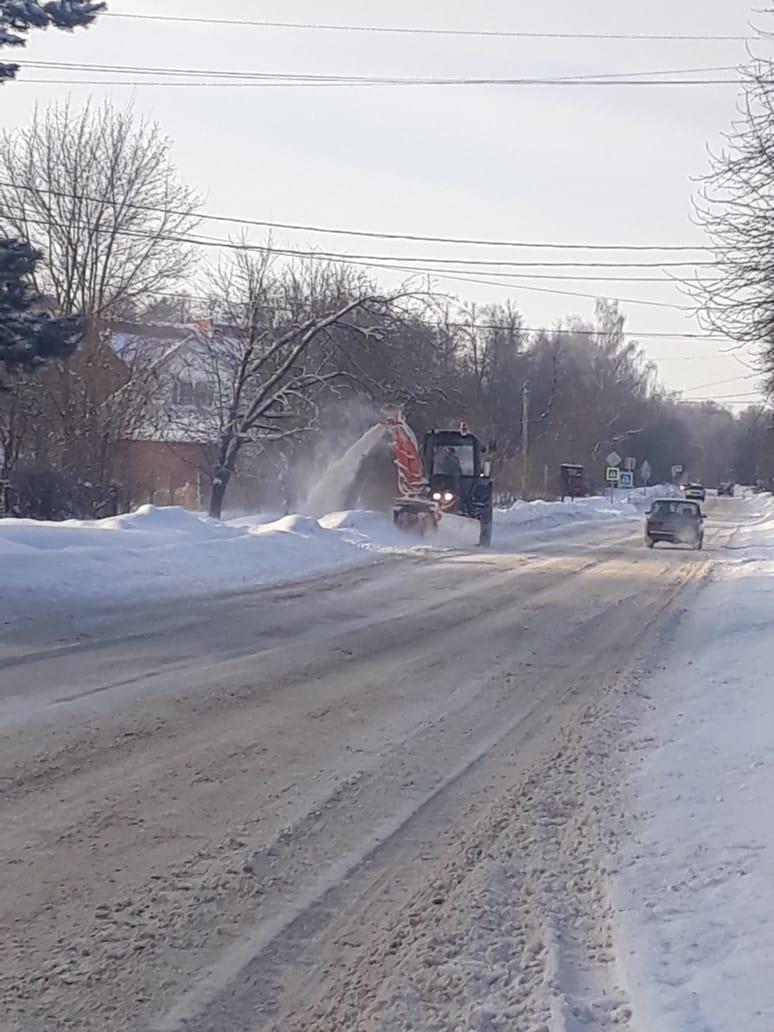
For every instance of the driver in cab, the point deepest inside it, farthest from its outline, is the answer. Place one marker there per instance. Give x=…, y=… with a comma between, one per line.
x=449, y=466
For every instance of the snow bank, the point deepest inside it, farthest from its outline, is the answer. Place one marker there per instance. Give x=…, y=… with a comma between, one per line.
x=161, y=553
x=696, y=911
x=624, y=504
x=158, y=553
x=755, y=540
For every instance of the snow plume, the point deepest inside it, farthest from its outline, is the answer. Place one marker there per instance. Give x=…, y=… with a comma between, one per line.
x=342, y=423
x=332, y=490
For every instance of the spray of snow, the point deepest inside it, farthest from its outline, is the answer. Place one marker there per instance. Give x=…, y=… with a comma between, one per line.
x=332, y=490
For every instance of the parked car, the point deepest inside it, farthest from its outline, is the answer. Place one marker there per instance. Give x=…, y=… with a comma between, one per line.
x=675, y=520
x=695, y=492
x=725, y=490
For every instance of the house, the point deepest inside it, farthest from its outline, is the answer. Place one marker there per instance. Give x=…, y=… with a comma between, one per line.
x=165, y=458
x=184, y=375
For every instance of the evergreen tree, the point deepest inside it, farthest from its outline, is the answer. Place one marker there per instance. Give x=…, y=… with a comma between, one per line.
x=28, y=334
x=17, y=17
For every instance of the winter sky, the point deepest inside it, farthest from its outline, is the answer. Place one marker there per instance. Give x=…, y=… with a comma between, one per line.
x=585, y=165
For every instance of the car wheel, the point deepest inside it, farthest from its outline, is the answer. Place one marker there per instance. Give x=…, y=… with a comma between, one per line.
x=649, y=542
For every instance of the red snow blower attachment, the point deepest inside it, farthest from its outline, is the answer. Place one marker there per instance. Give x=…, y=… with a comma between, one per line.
x=413, y=509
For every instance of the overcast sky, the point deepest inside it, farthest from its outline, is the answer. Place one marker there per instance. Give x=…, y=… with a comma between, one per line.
x=586, y=165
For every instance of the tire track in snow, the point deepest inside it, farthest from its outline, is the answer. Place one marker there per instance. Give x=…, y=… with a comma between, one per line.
x=421, y=968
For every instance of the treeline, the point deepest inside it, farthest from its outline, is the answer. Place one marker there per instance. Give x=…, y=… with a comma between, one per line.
x=590, y=390
x=241, y=369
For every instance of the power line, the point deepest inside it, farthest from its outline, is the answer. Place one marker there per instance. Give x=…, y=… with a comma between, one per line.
x=569, y=331
x=385, y=263
x=319, y=78
x=372, y=234
x=420, y=31
x=593, y=278
x=413, y=265
x=467, y=241
x=81, y=66
x=727, y=397
x=719, y=383
x=550, y=332
x=452, y=265
x=387, y=266
x=232, y=77
x=373, y=83
x=486, y=266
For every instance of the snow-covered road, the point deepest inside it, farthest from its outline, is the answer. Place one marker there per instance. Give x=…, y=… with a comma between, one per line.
x=404, y=796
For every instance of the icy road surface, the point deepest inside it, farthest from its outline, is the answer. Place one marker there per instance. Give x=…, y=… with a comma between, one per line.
x=380, y=800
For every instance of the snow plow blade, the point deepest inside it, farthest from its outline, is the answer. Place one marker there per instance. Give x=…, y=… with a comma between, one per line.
x=417, y=515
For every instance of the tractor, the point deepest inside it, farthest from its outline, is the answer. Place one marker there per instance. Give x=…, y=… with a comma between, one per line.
x=450, y=475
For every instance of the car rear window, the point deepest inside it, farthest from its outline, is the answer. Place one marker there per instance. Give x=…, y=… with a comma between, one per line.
x=676, y=508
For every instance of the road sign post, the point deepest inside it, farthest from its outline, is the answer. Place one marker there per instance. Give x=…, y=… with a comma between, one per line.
x=613, y=477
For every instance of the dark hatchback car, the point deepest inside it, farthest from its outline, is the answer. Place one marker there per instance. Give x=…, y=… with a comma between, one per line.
x=676, y=520
x=725, y=490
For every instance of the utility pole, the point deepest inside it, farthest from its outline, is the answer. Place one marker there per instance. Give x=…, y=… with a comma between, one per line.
x=524, y=438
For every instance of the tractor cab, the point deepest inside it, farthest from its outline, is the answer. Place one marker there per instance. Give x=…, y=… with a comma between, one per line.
x=458, y=476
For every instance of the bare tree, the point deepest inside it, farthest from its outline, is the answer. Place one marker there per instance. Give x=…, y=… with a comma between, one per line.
x=754, y=444
x=735, y=205
x=277, y=346
x=94, y=190
x=96, y=195
x=15, y=417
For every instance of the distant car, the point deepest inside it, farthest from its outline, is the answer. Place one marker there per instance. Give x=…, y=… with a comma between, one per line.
x=725, y=490
x=695, y=492
x=675, y=520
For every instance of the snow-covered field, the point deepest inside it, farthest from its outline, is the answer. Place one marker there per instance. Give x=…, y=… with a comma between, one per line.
x=695, y=904
x=159, y=553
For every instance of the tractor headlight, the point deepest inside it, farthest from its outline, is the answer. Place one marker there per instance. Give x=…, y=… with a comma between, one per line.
x=436, y=496
x=448, y=496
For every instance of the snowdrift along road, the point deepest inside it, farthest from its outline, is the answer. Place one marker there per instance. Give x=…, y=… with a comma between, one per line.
x=159, y=553
x=694, y=917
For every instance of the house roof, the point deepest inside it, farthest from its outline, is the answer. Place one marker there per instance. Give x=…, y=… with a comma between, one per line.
x=154, y=347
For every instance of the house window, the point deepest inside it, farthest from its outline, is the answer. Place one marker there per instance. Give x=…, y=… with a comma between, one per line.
x=203, y=395
x=197, y=395
x=183, y=393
